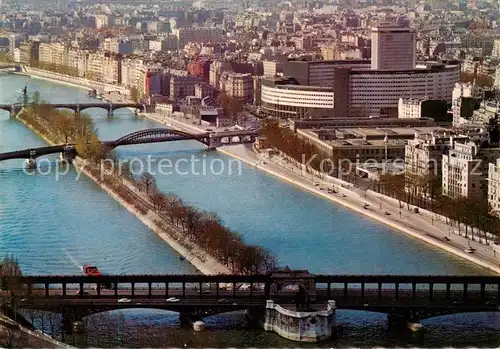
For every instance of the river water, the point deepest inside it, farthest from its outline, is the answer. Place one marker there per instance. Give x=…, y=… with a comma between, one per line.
x=55, y=225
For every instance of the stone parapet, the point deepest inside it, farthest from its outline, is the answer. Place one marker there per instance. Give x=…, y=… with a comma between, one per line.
x=301, y=326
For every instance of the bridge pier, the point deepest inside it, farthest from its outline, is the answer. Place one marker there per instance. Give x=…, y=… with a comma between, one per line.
x=214, y=142
x=14, y=111
x=67, y=155
x=189, y=320
x=31, y=163
x=312, y=325
x=72, y=324
x=255, y=317
x=110, y=111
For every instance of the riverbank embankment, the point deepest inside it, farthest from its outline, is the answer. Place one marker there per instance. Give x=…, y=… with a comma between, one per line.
x=175, y=239
x=384, y=211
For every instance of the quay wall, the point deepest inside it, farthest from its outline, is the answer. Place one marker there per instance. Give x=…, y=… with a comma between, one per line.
x=310, y=326
x=195, y=255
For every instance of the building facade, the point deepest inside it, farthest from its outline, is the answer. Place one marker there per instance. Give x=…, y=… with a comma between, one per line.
x=393, y=48
x=465, y=170
x=494, y=186
x=281, y=97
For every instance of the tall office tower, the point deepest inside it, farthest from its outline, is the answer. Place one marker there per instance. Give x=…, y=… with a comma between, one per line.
x=393, y=47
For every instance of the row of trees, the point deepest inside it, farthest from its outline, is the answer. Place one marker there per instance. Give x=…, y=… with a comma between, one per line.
x=470, y=215
x=205, y=229
x=232, y=106
x=285, y=140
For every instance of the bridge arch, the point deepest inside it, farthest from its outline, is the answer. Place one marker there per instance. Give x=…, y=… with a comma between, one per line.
x=67, y=108
x=155, y=135
x=102, y=106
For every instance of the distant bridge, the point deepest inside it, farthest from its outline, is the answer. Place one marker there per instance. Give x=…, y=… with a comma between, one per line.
x=154, y=135
x=14, y=109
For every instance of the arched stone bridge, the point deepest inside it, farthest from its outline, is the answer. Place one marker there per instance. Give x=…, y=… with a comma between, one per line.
x=154, y=135
x=13, y=109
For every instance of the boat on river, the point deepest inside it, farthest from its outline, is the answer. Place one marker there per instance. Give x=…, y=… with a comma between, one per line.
x=91, y=270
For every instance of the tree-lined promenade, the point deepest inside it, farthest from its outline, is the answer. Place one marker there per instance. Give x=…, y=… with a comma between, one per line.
x=193, y=228
x=472, y=217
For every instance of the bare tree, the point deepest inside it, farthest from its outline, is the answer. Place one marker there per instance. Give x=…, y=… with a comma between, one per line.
x=148, y=182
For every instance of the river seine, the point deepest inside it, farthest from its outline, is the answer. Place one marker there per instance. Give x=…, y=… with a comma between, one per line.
x=55, y=226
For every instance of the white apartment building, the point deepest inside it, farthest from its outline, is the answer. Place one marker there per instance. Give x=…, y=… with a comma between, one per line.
x=409, y=108
x=52, y=54
x=111, y=70
x=494, y=186
x=496, y=48
x=238, y=86
x=216, y=70
x=95, y=65
x=101, y=21
x=466, y=90
x=117, y=45
x=424, y=153
x=272, y=68
x=393, y=48
x=465, y=170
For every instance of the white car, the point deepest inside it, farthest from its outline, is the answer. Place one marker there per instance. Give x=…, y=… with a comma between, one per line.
x=173, y=299
x=124, y=300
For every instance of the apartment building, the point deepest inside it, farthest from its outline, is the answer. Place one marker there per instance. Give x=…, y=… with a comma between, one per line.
x=424, y=153
x=494, y=186
x=111, y=69
x=409, y=108
x=238, y=86
x=52, y=54
x=95, y=65
x=182, y=86
x=199, y=35
x=29, y=52
x=215, y=72
x=465, y=170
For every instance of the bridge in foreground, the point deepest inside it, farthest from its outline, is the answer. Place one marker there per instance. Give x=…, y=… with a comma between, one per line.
x=154, y=135
x=411, y=298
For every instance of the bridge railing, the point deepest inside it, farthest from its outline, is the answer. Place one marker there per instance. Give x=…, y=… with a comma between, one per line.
x=341, y=288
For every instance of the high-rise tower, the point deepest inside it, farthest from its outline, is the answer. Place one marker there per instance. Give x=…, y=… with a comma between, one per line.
x=393, y=47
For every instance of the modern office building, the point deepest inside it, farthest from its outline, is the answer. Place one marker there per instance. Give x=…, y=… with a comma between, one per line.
x=393, y=47
x=284, y=98
x=359, y=92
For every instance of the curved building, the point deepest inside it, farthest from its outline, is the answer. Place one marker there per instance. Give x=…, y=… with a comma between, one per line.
x=285, y=98
x=358, y=92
